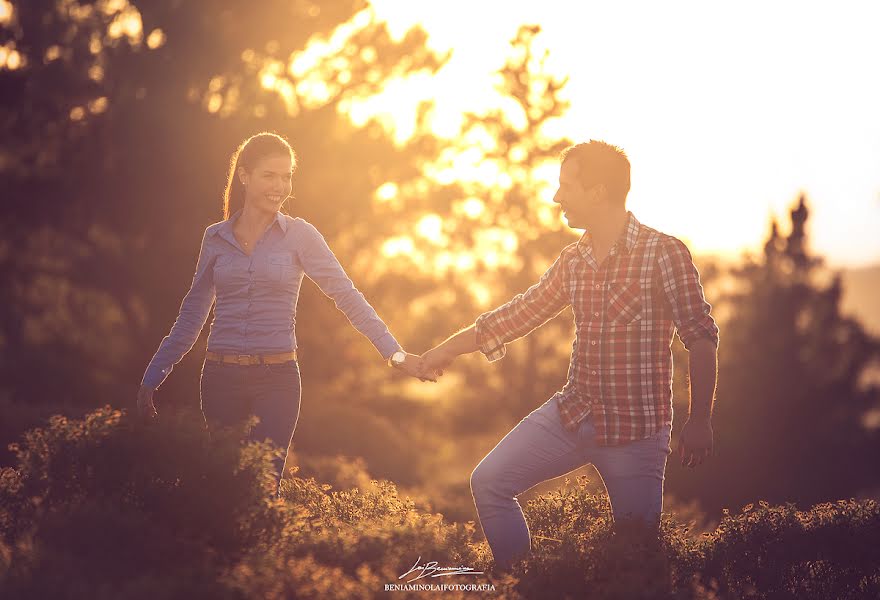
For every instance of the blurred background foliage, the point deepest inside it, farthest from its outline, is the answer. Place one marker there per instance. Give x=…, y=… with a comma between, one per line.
x=118, y=119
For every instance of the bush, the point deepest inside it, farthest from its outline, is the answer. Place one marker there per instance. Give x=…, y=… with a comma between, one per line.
x=105, y=507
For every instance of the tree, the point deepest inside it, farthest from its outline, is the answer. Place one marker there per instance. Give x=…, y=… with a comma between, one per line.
x=117, y=126
x=792, y=393
x=477, y=224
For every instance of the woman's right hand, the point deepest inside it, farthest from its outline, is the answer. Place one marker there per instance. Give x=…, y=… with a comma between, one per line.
x=146, y=408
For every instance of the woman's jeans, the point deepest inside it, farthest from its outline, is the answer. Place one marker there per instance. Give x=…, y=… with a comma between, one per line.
x=230, y=393
x=540, y=448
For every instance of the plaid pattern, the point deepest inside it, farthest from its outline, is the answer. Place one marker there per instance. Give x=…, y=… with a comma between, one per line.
x=626, y=312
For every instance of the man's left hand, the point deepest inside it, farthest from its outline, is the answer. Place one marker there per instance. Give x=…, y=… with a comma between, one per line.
x=695, y=442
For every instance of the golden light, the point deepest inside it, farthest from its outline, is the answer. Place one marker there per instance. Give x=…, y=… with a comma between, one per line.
x=288, y=94
x=98, y=105
x=733, y=146
x=109, y=7
x=127, y=23
x=77, y=113
x=471, y=208
x=10, y=58
x=387, y=191
x=308, y=59
x=315, y=91
x=395, y=107
x=268, y=80
x=465, y=262
x=156, y=39
x=6, y=11
x=215, y=101
x=398, y=245
x=498, y=237
x=480, y=292
x=430, y=227
x=52, y=53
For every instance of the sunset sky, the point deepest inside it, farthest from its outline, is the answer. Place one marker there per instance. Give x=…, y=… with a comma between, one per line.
x=727, y=112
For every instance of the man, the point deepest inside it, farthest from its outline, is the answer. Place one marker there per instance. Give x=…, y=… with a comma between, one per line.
x=630, y=287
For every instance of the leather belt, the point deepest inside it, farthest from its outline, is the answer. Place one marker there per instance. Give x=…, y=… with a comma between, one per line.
x=251, y=359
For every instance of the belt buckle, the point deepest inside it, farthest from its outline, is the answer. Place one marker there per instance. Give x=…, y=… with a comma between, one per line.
x=244, y=360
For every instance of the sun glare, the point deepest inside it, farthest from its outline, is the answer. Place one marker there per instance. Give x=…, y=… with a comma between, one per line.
x=721, y=135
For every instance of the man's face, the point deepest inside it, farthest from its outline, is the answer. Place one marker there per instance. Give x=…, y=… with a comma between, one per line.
x=269, y=182
x=578, y=205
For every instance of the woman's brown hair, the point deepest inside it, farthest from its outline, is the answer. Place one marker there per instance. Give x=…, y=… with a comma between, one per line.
x=248, y=153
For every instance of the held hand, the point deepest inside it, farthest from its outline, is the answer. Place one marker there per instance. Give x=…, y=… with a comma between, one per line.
x=414, y=367
x=437, y=359
x=695, y=442
x=146, y=408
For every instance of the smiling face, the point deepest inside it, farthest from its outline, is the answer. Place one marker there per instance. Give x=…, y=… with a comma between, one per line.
x=580, y=206
x=268, y=183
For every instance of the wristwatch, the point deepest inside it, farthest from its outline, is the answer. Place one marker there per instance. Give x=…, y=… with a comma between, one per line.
x=397, y=359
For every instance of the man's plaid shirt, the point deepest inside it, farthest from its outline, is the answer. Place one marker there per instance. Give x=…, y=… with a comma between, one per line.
x=626, y=312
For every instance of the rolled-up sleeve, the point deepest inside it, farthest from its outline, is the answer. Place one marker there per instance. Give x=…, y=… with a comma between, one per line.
x=322, y=267
x=194, y=311
x=691, y=313
x=522, y=314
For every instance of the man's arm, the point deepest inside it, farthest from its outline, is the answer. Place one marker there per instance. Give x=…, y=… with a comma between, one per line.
x=695, y=442
x=699, y=334
x=492, y=330
x=440, y=357
x=703, y=367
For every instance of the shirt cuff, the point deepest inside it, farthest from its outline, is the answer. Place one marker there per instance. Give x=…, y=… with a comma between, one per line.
x=700, y=331
x=489, y=344
x=387, y=345
x=154, y=376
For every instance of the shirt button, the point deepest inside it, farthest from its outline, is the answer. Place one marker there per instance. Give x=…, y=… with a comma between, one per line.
x=598, y=287
x=593, y=343
x=595, y=314
x=592, y=372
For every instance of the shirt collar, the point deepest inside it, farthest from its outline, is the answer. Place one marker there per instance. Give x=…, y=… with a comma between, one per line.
x=627, y=240
x=226, y=226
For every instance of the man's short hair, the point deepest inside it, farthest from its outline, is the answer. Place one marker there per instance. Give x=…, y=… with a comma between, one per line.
x=600, y=162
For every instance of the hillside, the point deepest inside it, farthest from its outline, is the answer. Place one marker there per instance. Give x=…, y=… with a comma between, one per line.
x=108, y=508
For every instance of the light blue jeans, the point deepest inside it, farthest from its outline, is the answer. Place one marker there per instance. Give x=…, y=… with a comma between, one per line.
x=540, y=448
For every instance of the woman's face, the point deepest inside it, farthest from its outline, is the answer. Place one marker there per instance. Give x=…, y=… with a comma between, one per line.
x=268, y=183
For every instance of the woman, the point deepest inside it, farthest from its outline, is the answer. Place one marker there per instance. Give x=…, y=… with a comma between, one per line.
x=253, y=263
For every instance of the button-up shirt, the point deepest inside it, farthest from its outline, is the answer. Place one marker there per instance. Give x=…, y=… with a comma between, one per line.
x=626, y=311
x=256, y=295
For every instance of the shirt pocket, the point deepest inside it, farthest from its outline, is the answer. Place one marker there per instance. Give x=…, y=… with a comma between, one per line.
x=624, y=301
x=280, y=265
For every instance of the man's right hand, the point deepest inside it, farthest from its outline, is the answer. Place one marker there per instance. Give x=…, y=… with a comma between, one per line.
x=437, y=359
x=146, y=408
